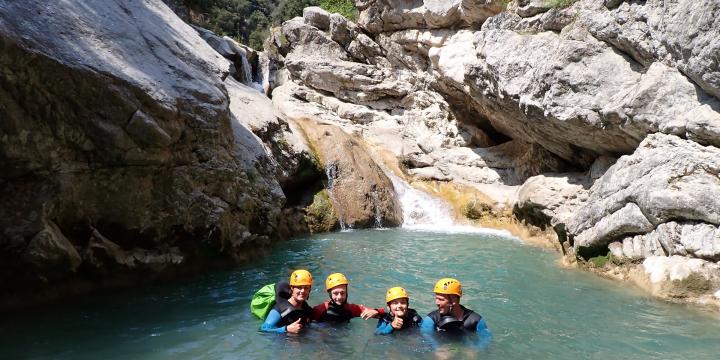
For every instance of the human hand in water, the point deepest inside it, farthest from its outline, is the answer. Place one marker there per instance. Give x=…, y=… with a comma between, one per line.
x=295, y=327
x=397, y=323
x=368, y=313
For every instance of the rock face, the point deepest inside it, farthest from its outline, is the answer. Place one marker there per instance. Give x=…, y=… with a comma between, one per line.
x=361, y=194
x=535, y=98
x=387, y=15
x=244, y=60
x=118, y=148
x=666, y=179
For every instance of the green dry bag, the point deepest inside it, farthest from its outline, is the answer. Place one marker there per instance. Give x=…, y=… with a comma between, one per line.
x=263, y=301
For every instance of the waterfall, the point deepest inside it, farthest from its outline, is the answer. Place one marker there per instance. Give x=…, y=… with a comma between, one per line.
x=376, y=209
x=422, y=211
x=331, y=172
x=419, y=208
x=247, y=74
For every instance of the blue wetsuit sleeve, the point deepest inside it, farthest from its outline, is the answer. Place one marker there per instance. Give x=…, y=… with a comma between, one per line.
x=383, y=327
x=484, y=335
x=427, y=329
x=427, y=326
x=270, y=324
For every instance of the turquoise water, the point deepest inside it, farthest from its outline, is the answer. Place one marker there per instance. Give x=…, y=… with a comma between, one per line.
x=534, y=308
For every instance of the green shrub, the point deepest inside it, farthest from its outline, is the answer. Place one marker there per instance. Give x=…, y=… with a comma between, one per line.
x=601, y=261
x=249, y=21
x=320, y=215
x=475, y=209
x=559, y=4
x=345, y=8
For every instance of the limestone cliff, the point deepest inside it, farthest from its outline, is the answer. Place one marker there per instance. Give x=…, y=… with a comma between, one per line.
x=533, y=104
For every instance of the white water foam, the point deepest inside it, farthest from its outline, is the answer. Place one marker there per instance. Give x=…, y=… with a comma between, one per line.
x=423, y=212
x=247, y=74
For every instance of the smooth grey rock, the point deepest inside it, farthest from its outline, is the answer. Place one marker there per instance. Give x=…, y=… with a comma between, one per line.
x=51, y=255
x=128, y=132
x=147, y=131
x=627, y=220
x=342, y=31
x=666, y=179
x=310, y=41
x=390, y=15
x=541, y=87
x=684, y=34
x=317, y=17
x=545, y=199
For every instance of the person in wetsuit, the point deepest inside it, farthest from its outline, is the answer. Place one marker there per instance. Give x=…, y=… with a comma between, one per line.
x=337, y=309
x=400, y=315
x=292, y=314
x=453, y=318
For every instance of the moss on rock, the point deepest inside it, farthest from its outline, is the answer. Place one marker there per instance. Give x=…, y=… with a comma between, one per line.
x=320, y=215
x=475, y=209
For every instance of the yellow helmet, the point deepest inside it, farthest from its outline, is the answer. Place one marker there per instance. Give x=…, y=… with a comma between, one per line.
x=448, y=286
x=301, y=278
x=334, y=280
x=395, y=293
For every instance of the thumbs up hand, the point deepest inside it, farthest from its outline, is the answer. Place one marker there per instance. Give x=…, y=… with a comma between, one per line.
x=397, y=323
x=295, y=327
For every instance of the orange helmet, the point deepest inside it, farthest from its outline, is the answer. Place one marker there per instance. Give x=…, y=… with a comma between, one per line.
x=394, y=293
x=301, y=278
x=448, y=286
x=334, y=280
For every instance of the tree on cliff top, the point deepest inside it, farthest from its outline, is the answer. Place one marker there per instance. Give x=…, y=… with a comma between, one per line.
x=248, y=21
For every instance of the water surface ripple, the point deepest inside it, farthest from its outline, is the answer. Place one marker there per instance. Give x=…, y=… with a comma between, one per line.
x=534, y=308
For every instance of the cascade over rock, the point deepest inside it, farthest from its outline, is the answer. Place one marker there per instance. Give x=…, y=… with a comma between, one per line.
x=362, y=195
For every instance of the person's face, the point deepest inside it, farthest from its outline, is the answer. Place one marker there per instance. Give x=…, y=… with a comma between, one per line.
x=398, y=307
x=338, y=294
x=300, y=293
x=443, y=303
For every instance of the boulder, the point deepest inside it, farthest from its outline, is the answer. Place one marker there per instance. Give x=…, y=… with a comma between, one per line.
x=342, y=31
x=550, y=199
x=50, y=255
x=311, y=41
x=349, y=81
x=122, y=129
x=388, y=15
x=666, y=179
x=317, y=17
x=678, y=277
x=362, y=195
